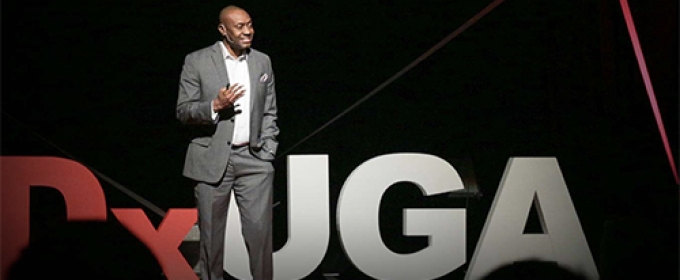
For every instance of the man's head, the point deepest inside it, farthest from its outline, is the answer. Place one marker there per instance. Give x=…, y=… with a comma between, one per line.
x=237, y=29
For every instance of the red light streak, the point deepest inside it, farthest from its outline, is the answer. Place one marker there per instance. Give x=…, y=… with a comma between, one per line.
x=648, y=84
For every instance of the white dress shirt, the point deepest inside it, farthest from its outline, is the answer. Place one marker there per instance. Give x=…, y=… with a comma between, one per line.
x=237, y=69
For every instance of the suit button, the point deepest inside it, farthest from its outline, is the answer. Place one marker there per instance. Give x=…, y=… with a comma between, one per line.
x=229, y=143
x=232, y=120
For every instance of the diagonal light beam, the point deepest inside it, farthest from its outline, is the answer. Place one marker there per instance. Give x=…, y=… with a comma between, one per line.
x=403, y=71
x=101, y=175
x=648, y=84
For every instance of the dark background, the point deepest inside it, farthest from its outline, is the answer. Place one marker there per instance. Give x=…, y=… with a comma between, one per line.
x=97, y=81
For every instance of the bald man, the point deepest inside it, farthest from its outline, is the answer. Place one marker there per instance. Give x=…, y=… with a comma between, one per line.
x=227, y=97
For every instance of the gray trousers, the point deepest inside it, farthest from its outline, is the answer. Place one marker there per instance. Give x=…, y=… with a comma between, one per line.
x=251, y=180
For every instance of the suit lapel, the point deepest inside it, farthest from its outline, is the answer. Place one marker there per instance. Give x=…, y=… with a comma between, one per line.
x=254, y=72
x=256, y=98
x=218, y=59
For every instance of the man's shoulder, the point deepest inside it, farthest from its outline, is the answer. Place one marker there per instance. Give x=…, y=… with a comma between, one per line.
x=205, y=51
x=258, y=54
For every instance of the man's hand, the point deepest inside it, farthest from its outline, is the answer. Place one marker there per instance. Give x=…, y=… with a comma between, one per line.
x=227, y=97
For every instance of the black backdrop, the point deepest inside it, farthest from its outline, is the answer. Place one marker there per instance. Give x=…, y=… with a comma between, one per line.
x=98, y=80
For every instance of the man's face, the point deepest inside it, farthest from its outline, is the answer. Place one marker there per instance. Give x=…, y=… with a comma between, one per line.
x=237, y=27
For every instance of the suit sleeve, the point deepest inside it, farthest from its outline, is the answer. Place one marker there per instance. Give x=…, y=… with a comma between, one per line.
x=191, y=108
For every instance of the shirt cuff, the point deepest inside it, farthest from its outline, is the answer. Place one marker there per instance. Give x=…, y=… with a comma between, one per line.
x=213, y=113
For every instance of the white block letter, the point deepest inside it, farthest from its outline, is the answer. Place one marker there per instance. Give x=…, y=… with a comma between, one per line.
x=308, y=223
x=358, y=210
x=502, y=241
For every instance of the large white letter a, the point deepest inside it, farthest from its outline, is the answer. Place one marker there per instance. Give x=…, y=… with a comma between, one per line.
x=502, y=241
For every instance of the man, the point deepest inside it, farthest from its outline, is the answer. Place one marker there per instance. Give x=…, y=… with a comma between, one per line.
x=226, y=92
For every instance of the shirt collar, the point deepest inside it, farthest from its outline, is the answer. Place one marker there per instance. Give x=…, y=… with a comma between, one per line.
x=227, y=55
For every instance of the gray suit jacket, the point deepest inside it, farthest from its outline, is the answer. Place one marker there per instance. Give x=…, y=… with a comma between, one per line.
x=203, y=74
